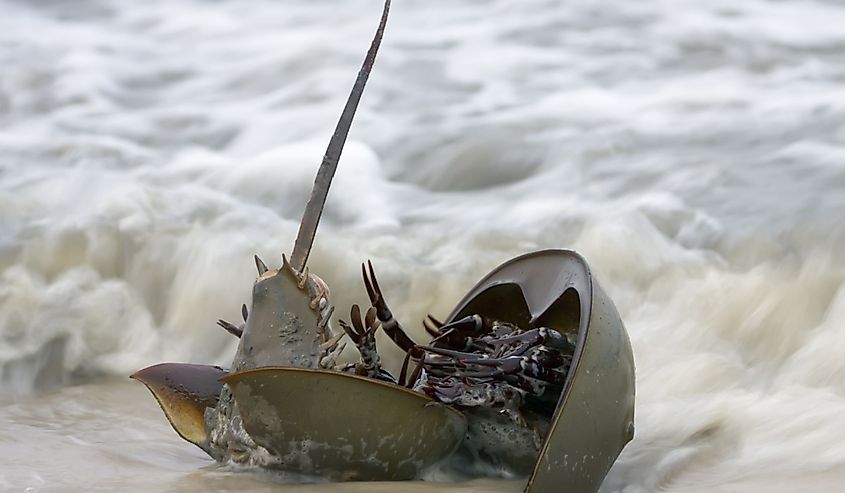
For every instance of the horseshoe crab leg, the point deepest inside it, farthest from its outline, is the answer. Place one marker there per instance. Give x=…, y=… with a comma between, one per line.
x=231, y=328
x=235, y=330
x=432, y=325
x=314, y=208
x=363, y=336
x=459, y=334
x=391, y=326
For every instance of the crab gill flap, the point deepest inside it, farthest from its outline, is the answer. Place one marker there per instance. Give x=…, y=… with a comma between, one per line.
x=594, y=417
x=184, y=391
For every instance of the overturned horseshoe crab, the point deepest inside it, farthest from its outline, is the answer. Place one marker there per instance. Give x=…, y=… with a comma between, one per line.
x=531, y=373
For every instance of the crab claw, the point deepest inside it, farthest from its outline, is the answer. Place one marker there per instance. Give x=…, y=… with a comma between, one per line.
x=432, y=325
x=231, y=328
x=369, y=326
x=471, y=323
x=391, y=326
x=362, y=332
x=349, y=331
x=459, y=334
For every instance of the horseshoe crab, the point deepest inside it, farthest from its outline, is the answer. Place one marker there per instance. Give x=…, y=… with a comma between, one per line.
x=532, y=373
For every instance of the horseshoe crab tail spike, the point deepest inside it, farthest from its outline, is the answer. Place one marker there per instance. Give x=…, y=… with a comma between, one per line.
x=314, y=208
x=260, y=265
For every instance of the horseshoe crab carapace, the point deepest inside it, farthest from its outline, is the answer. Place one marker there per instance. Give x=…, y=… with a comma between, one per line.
x=532, y=372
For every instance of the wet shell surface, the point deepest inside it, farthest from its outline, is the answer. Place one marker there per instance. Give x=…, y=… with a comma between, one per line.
x=343, y=427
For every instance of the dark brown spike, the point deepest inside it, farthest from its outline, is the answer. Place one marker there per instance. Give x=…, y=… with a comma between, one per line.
x=468, y=323
x=430, y=363
x=432, y=331
x=376, y=287
x=260, y=265
x=351, y=333
x=286, y=265
x=415, y=374
x=448, y=352
x=469, y=359
x=403, y=373
x=356, y=320
x=370, y=322
x=391, y=326
x=374, y=298
x=314, y=207
x=437, y=323
x=244, y=312
x=438, y=336
x=231, y=328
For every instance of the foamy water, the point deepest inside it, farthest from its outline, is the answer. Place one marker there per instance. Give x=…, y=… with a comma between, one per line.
x=693, y=151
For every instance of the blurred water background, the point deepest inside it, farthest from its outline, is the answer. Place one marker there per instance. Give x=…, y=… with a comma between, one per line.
x=693, y=151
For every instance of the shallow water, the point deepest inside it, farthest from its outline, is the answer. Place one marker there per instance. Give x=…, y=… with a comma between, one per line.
x=692, y=151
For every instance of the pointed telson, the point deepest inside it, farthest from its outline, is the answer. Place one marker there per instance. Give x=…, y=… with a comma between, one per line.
x=314, y=208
